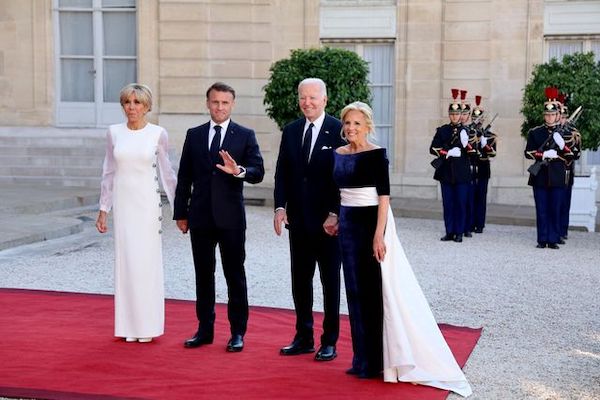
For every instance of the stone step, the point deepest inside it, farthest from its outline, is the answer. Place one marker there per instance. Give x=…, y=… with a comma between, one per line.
x=30, y=199
x=25, y=229
x=50, y=161
x=52, y=141
x=68, y=181
x=49, y=151
x=60, y=171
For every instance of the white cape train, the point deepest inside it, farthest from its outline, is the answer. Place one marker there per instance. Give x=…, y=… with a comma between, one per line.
x=414, y=349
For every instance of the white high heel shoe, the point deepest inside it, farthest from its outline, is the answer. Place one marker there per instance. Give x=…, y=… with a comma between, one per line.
x=131, y=339
x=145, y=340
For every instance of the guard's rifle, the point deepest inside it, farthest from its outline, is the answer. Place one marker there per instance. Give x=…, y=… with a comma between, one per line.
x=475, y=127
x=570, y=123
x=483, y=131
x=535, y=168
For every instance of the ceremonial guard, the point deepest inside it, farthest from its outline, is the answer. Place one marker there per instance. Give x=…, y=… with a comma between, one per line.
x=486, y=145
x=467, y=123
x=572, y=138
x=548, y=175
x=450, y=145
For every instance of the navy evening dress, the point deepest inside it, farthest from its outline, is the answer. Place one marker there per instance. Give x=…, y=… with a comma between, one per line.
x=362, y=273
x=393, y=329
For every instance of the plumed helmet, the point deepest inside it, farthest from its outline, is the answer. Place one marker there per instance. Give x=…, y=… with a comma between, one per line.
x=454, y=107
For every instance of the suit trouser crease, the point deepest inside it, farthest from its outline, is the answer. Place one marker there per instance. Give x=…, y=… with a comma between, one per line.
x=307, y=250
x=231, y=245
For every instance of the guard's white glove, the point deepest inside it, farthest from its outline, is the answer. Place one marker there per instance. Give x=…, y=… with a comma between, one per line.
x=549, y=154
x=453, y=152
x=483, y=141
x=464, y=138
x=560, y=142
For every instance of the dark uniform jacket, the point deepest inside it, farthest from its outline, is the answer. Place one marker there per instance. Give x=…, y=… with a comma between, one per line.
x=573, y=140
x=484, y=154
x=553, y=173
x=453, y=169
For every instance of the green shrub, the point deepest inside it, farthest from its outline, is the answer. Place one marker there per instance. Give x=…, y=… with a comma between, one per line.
x=343, y=71
x=576, y=75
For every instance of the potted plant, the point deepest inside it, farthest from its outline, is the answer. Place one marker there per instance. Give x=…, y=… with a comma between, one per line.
x=343, y=71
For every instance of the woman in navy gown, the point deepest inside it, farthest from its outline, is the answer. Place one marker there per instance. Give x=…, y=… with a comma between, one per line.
x=394, y=333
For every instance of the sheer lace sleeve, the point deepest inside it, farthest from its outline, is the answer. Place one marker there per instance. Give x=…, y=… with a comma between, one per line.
x=167, y=175
x=108, y=174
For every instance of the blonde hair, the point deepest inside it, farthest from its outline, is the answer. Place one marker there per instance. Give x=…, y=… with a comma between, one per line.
x=364, y=109
x=141, y=91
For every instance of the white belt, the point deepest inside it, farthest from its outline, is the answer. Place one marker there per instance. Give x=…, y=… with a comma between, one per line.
x=359, y=197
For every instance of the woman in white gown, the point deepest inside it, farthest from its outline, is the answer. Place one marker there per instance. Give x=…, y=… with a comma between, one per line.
x=135, y=152
x=392, y=327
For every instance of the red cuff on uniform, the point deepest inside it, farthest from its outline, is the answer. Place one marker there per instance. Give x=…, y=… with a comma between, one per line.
x=443, y=152
x=538, y=154
x=566, y=149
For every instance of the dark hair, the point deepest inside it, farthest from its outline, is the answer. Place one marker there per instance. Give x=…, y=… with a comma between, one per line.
x=220, y=87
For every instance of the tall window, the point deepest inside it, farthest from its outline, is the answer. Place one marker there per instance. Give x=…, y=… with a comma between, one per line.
x=380, y=57
x=557, y=48
x=96, y=55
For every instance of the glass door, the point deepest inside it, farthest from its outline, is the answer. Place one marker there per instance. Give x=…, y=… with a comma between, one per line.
x=96, y=55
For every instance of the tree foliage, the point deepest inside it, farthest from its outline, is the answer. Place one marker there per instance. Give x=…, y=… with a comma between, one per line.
x=343, y=71
x=577, y=75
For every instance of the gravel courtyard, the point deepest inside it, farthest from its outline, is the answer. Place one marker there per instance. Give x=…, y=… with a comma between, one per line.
x=539, y=309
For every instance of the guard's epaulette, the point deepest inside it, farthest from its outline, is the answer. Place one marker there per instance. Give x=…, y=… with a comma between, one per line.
x=536, y=127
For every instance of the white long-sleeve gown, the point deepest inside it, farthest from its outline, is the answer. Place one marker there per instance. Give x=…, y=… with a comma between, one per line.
x=130, y=186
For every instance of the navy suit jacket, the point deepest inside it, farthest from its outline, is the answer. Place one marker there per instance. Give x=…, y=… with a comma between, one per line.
x=204, y=193
x=307, y=193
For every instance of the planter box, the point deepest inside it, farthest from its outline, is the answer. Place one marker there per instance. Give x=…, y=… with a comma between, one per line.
x=583, y=202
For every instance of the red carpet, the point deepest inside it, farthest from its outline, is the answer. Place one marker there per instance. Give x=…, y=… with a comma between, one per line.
x=56, y=345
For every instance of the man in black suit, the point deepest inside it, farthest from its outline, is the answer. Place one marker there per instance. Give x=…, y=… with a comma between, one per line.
x=307, y=202
x=217, y=158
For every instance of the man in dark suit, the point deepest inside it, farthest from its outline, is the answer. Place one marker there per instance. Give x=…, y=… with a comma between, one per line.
x=307, y=202
x=217, y=158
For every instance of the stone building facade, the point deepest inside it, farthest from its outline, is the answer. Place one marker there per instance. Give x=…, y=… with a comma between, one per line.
x=418, y=50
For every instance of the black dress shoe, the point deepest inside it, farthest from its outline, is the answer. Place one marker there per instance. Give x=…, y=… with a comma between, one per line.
x=458, y=238
x=560, y=241
x=198, y=340
x=553, y=246
x=352, y=371
x=297, y=347
x=468, y=234
x=235, y=344
x=326, y=353
x=541, y=245
x=447, y=237
x=564, y=237
x=478, y=230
